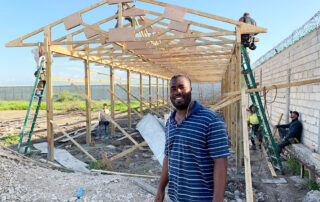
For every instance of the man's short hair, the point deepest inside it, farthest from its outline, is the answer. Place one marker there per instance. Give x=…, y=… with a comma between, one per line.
x=180, y=75
x=246, y=14
x=105, y=104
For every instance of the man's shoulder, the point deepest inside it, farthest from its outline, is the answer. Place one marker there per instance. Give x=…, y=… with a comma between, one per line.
x=203, y=111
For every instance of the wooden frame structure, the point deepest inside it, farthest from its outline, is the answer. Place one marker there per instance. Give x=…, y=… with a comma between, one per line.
x=157, y=45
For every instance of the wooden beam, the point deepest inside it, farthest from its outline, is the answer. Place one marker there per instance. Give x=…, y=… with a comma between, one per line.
x=49, y=91
x=247, y=166
x=104, y=114
x=231, y=101
x=127, y=104
x=112, y=97
x=141, y=94
x=157, y=91
x=128, y=99
x=150, y=91
x=141, y=101
x=128, y=151
x=213, y=101
x=73, y=141
x=88, y=106
x=124, y=174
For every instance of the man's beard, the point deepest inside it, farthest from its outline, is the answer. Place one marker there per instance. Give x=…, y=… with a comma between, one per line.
x=183, y=105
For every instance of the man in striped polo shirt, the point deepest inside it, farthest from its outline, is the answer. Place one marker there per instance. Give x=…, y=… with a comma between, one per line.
x=196, y=149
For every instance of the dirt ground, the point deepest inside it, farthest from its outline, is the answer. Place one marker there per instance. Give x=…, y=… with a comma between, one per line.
x=142, y=161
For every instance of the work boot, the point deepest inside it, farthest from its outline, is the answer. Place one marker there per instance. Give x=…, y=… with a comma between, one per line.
x=253, y=147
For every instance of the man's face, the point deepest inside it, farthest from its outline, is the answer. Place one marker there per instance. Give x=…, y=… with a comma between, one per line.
x=104, y=106
x=293, y=115
x=180, y=93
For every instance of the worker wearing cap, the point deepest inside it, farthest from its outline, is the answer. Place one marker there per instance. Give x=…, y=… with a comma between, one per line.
x=290, y=133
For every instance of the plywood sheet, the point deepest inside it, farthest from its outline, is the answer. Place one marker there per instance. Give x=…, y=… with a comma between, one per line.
x=180, y=26
x=133, y=12
x=135, y=45
x=89, y=33
x=72, y=21
x=173, y=12
x=121, y=34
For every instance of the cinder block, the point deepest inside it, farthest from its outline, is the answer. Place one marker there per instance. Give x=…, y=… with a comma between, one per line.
x=110, y=2
x=135, y=45
x=121, y=34
x=173, y=12
x=89, y=33
x=180, y=26
x=72, y=21
x=133, y=12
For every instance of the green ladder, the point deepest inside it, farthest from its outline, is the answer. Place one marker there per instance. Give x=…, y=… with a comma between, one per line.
x=40, y=70
x=272, y=151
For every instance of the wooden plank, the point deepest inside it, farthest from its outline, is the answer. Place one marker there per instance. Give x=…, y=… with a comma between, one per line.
x=141, y=94
x=141, y=101
x=132, y=109
x=88, y=106
x=150, y=92
x=49, y=92
x=124, y=174
x=104, y=114
x=157, y=93
x=247, y=166
x=72, y=140
x=174, y=12
x=270, y=166
x=112, y=97
x=231, y=101
x=275, y=129
x=213, y=101
x=128, y=151
x=128, y=100
x=110, y=2
x=106, y=161
x=277, y=86
x=72, y=21
x=121, y=34
x=133, y=12
x=148, y=24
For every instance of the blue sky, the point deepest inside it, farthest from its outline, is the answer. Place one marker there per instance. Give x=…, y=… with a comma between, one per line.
x=18, y=18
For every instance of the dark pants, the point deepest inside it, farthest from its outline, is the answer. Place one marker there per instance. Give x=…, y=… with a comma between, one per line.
x=257, y=133
x=283, y=132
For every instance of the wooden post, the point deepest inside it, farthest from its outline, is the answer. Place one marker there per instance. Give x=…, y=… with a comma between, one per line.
x=88, y=105
x=162, y=91
x=168, y=96
x=119, y=15
x=141, y=93
x=112, y=98
x=238, y=85
x=247, y=166
x=150, y=91
x=157, y=83
x=128, y=99
x=49, y=100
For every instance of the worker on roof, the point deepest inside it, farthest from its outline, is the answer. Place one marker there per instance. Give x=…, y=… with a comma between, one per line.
x=126, y=18
x=247, y=40
x=290, y=133
x=37, y=52
x=255, y=129
x=196, y=149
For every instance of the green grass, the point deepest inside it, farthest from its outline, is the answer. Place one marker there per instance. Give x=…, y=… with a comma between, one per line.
x=313, y=185
x=98, y=165
x=295, y=167
x=8, y=140
x=65, y=105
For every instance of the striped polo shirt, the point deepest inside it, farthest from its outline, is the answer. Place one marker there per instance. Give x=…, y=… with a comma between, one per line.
x=191, y=148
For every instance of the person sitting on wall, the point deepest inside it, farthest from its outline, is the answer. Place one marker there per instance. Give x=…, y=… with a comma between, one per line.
x=247, y=40
x=253, y=124
x=103, y=122
x=290, y=133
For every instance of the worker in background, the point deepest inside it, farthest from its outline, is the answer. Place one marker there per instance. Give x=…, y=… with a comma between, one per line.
x=255, y=129
x=37, y=52
x=196, y=149
x=103, y=122
x=290, y=133
x=247, y=40
x=126, y=18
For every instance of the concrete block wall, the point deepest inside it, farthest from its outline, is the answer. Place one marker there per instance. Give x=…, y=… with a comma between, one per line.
x=301, y=61
x=202, y=92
